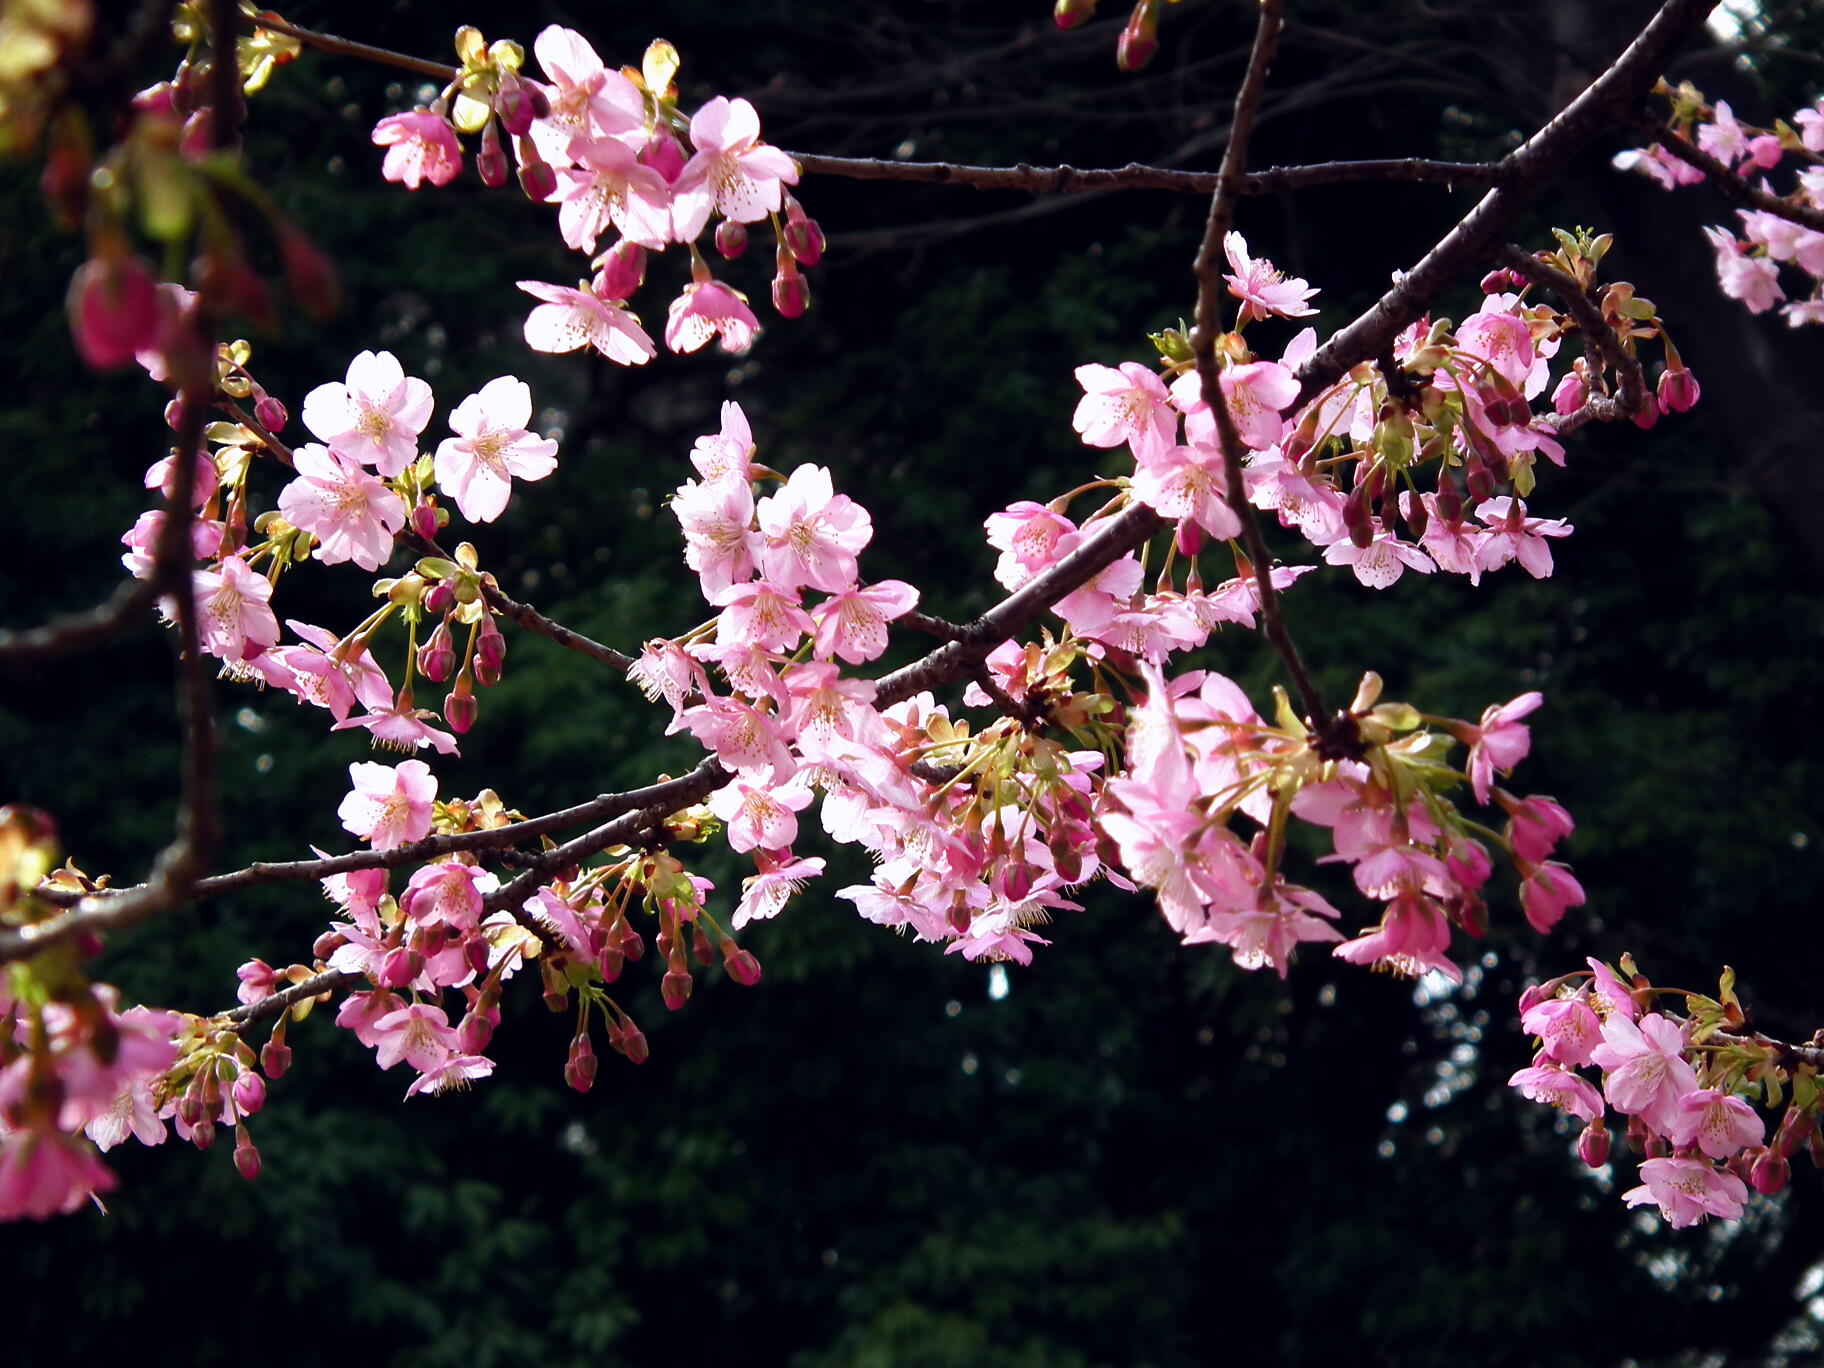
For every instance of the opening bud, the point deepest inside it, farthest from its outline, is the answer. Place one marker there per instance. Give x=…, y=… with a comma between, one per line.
x=437, y=657
x=1678, y=390
x=538, y=180
x=249, y=1092
x=620, y=271
x=518, y=103
x=1593, y=1144
x=1769, y=1173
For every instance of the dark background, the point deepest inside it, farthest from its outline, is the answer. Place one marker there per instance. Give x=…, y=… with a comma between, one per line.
x=1140, y=1156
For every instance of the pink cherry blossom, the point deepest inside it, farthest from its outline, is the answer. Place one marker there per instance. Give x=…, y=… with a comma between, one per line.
x=420, y=146
x=729, y=452
x=759, y=614
x=1568, y=1030
x=1514, y=536
x=44, y=1173
x=1261, y=289
x=1558, y=1087
x=1545, y=893
x=709, y=309
x=389, y=805
x=1189, y=482
x=760, y=818
x=401, y=727
x=375, y=417
x=492, y=448
x=1753, y=280
x=232, y=613
x=1129, y=404
x=1646, y=1069
x=608, y=188
x=1030, y=537
x=1500, y=742
x=1718, y=1124
x=765, y=893
x=570, y=320
x=1687, y=1190
x=732, y=173
x=1381, y=562
x=720, y=543
x=587, y=98
x=852, y=626
x=351, y=513
x=811, y=535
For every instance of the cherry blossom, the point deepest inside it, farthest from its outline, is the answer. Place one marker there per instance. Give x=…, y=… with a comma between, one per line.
x=375, y=417
x=491, y=448
x=232, y=613
x=811, y=534
x=351, y=513
x=1261, y=289
x=420, y=146
x=709, y=309
x=732, y=173
x=389, y=805
x=1687, y=1190
x=587, y=98
x=1125, y=404
x=570, y=320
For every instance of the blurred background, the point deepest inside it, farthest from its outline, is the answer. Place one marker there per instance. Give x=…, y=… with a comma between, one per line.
x=1130, y=1153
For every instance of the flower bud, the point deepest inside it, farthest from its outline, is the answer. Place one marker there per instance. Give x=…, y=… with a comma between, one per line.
x=609, y=961
x=399, y=966
x=675, y=988
x=622, y=270
x=1593, y=1144
x=1769, y=1172
x=246, y=1157
x=490, y=654
x=538, y=180
x=1678, y=390
x=791, y=296
x=804, y=239
x=114, y=310
x=249, y=1092
x=491, y=161
x=327, y=944
x=437, y=657
x=1795, y=1129
x=1070, y=14
x=1139, y=41
x=579, y=1068
x=1571, y=394
x=700, y=948
x=460, y=710
x=270, y=414
x=633, y=1044
x=1646, y=415
x=1189, y=537
x=202, y=1134
x=1497, y=281
x=739, y=964
x=275, y=1058
x=663, y=155
x=518, y=103
x=731, y=238
x=631, y=944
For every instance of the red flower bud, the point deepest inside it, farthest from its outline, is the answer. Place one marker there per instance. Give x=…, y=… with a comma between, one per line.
x=623, y=270
x=437, y=657
x=249, y=1092
x=1593, y=1144
x=675, y=988
x=633, y=1044
x=1769, y=1173
x=804, y=239
x=270, y=414
x=518, y=103
x=246, y=1157
x=1070, y=14
x=114, y=310
x=791, y=296
x=579, y=1068
x=1678, y=390
x=1139, y=41
x=538, y=180
x=275, y=1058
x=740, y=964
x=491, y=161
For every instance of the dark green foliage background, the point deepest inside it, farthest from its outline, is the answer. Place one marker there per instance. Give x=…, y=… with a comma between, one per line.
x=1140, y=1156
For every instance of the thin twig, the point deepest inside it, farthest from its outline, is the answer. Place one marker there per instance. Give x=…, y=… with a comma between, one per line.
x=1735, y=187
x=123, y=609
x=1603, y=408
x=343, y=47
x=286, y=998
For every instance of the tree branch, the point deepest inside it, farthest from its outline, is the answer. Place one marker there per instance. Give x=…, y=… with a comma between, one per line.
x=1601, y=407
x=1732, y=185
x=62, y=636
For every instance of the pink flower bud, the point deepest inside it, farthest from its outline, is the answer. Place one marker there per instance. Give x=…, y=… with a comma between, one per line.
x=439, y=598
x=675, y=988
x=1449, y=502
x=327, y=944
x=437, y=657
x=1189, y=538
x=474, y=1032
x=579, y=1068
x=202, y=1134
x=114, y=310
x=1646, y=416
x=1678, y=390
x=490, y=654
x=1572, y=393
x=623, y=270
x=1535, y=994
x=804, y=239
x=538, y=180
x=633, y=1044
x=399, y=966
x=791, y=296
x=700, y=947
x=1769, y=1172
x=491, y=161
x=731, y=238
x=460, y=711
x=663, y=155
x=631, y=944
x=1593, y=1145
x=518, y=103
x=249, y=1092
x=1070, y=14
x=740, y=964
x=270, y=414
x=275, y=1059
x=246, y=1157
x=1502, y=279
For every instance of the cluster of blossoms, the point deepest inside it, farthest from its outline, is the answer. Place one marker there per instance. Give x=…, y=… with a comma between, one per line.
x=1683, y=1083
x=613, y=152
x=355, y=491
x=1749, y=265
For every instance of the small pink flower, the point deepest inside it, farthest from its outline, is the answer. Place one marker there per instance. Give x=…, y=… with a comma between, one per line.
x=420, y=146
x=1646, y=1069
x=44, y=1172
x=812, y=534
x=1381, y=562
x=1500, y=743
x=732, y=173
x=1753, y=280
x=1560, y=1088
x=760, y=818
x=401, y=729
x=1687, y=1190
x=389, y=805
x=491, y=448
x=570, y=320
x=351, y=513
x=374, y=418
x=232, y=612
x=610, y=189
x=1129, y=404
x=1546, y=892
x=1261, y=289
x=1716, y=1123
x=587, y=99
x=852, y=626
x=764, y=893
x=709, y=309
